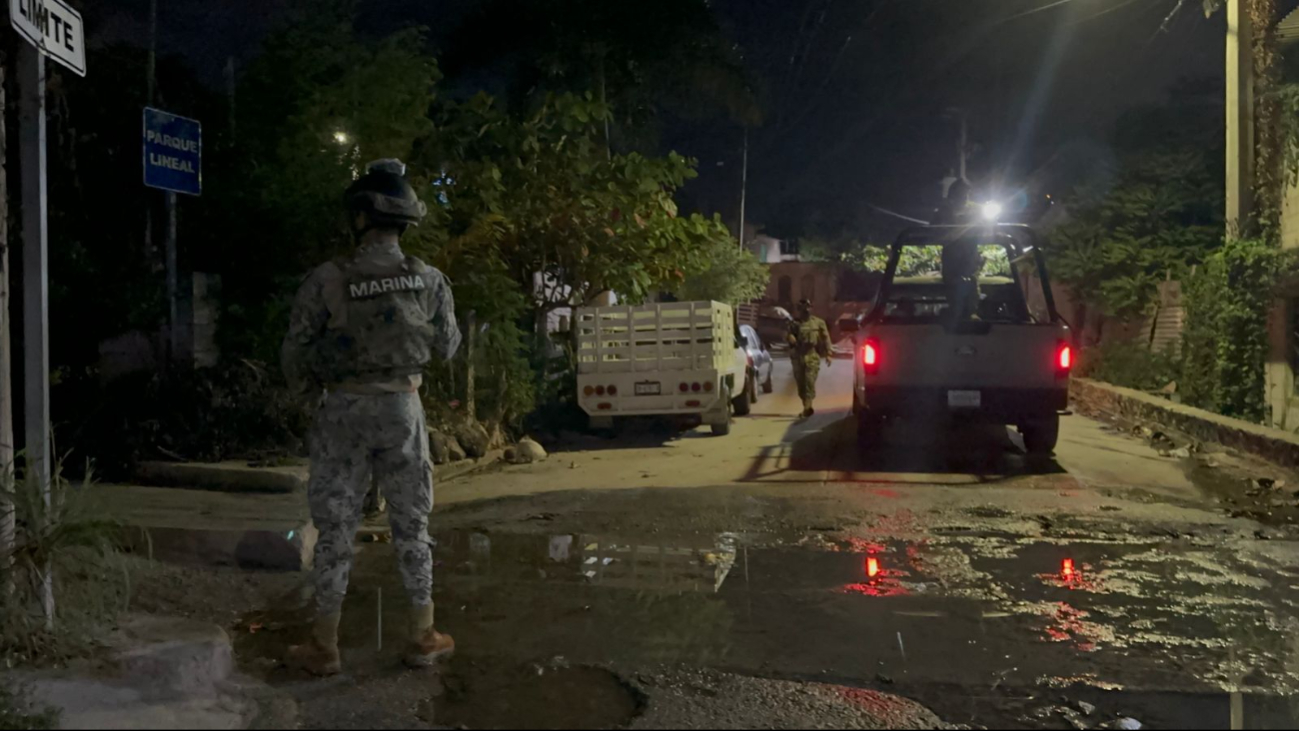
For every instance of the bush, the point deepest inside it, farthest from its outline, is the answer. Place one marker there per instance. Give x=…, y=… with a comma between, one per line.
x=239, y=409
x=1131, y=365
x=1225, y=341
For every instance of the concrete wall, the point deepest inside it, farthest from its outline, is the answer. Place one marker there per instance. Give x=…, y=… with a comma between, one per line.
x=817, y=281
x=1282, y=400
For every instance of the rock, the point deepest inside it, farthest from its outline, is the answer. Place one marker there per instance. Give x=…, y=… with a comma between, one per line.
x=510, y=455
x=1129, y=724
x=455, y=452
x=1182, y=453
x=439, y=446
x=473, y=438
x=528, y=450
x=1086, y=708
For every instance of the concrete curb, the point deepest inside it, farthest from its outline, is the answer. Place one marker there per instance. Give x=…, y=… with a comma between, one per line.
x=1273, y=445
x=264, y=550
x=235, y=476
x=229, y=476
x=452, y=470
x=159, y=673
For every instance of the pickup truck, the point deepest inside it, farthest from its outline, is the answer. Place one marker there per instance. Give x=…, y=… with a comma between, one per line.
x=680, y=360
x=929, y=349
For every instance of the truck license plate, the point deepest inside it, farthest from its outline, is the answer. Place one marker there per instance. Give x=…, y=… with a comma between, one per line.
x=964, y=399
x=648, y=388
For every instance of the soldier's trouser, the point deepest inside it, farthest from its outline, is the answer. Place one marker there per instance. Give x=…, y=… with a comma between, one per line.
x=353, y=436
x=806, y=369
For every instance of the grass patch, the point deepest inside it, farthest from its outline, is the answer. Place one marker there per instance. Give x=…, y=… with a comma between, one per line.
x=63, y=545
x=18, y=713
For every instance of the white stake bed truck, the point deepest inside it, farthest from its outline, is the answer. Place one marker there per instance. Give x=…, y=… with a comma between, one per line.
x=672, y=359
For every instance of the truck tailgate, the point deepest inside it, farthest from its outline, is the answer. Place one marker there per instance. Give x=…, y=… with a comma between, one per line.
x=982, y=356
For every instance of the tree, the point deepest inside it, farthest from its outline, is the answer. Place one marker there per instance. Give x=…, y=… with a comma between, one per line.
x=732, y=276
x=314, y=108
x=565, y=220
x=1154, y=213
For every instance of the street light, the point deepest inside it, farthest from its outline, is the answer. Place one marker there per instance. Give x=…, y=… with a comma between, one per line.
x=342, y=137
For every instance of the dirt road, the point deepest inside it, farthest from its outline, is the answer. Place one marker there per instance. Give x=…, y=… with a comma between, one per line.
x=673, y=579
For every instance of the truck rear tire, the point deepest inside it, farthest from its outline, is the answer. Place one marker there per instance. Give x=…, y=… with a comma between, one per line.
x=742, y=404
x=723, y=427
x=1041, y=435
x=870, y=429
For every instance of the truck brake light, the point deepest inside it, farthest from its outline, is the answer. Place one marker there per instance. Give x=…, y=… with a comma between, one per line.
x=870, y=356
x=1063, y=357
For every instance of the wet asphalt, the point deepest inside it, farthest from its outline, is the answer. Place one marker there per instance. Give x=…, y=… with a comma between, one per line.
x=690, y=580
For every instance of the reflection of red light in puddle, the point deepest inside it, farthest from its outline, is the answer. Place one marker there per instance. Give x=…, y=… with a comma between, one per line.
x=877, y=588
x=1070, y=625
x=872, y=567
x=1073, y=576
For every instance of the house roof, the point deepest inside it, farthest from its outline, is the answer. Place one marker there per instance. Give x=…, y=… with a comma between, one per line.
x=1287, y=31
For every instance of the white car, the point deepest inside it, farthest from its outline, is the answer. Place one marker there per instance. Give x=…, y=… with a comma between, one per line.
x=999, y=353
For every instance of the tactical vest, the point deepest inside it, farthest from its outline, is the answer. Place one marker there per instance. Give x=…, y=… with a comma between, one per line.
x=807, y=340
x=380, y=324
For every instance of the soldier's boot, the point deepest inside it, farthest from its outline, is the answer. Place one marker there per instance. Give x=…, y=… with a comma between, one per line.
x=427, y=645
x=807, y=408
x=319, y=656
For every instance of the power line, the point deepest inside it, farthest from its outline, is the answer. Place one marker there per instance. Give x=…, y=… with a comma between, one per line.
x=895, y=214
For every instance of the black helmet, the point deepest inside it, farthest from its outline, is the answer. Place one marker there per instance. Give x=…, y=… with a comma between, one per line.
x=384, y=195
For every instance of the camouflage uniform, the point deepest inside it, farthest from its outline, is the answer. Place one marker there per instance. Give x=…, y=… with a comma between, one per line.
x=363, y=328
x=810, y=341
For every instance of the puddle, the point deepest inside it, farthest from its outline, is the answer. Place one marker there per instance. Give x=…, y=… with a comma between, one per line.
x=1241, y=498
x=536, y=616
x=1176, y=604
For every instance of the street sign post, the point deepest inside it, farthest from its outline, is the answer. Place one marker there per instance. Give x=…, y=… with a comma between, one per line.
x=53, y=27
x=54, y=30
x=173, y=150
x=173, y=157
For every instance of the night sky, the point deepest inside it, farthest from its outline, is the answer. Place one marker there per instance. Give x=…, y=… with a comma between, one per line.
x=854, y=91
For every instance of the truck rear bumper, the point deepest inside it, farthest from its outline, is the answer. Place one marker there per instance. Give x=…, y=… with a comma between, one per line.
x=1004, y=405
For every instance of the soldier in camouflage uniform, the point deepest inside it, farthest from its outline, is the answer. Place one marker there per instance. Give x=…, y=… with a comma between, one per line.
x=809, y=341
x=362, y=329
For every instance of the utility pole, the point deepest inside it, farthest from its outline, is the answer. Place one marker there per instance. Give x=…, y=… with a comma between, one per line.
x=964, y=146
x=230, y=94
x=744, y=184
x=962, y=140
x=149, y=81
x=7, y=517
x=1240, y=117
x=175, y=339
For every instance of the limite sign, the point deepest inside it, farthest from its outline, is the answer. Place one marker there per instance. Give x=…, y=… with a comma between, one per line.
x=54, y=27
x=173, y=149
